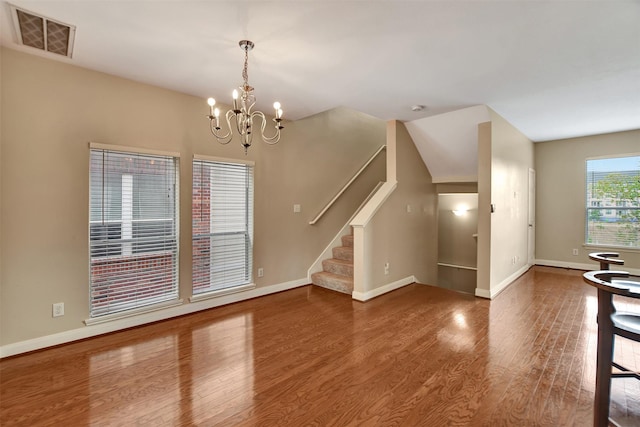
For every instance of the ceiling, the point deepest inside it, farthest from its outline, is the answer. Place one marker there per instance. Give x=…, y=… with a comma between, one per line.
x=553, y=69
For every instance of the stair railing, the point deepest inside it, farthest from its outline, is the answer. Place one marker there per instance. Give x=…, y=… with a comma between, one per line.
x=357, y=174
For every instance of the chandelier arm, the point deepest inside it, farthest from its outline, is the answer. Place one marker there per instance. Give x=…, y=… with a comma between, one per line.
x=238, y=121
x=268, y=139
x=222, y=139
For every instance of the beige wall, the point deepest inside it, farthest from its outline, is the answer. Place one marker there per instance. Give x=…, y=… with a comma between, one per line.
x=560, y=201
x=511, y=159
x=505, y=156
x=52, y=110
x=406, y=240
x=457, y=187
x=1, y=210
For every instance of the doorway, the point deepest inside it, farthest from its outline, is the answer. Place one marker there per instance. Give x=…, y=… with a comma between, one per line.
x=457, y=241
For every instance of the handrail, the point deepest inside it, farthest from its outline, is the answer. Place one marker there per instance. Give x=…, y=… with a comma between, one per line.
x=357, y=174
x=463, y=267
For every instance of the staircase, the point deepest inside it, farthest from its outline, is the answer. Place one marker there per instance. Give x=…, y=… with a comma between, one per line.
x=337, y=272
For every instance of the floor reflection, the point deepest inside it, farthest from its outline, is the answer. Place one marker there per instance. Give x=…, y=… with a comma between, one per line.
x=192, y=376
x=116, y=392
x=221, y=370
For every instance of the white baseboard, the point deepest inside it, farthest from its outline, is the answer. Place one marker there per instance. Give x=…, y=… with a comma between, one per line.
x=495, y=290
x=364, y=296
x=584, y=267
x=483, y=293
x=142, y=319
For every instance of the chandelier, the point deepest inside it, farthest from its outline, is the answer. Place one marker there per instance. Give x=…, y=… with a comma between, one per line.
x=241, y=113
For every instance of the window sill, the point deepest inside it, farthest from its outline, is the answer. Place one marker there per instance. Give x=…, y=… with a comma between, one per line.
x=222, y=292
x=131, y=313
x=612, y=248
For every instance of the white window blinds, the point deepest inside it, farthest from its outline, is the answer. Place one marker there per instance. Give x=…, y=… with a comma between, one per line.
x=133, y=231
x=222, y=217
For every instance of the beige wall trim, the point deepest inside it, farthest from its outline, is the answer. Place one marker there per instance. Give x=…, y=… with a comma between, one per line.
x=129, y=149
x=369, y=210
x=361, y=279
x=448, y=179
x=365, y=296
x=116, y=325
x=581, y=266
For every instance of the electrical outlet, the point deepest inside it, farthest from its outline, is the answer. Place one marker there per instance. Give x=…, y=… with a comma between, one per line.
x=296, y=208
x=386, y=268
x=260, y=272
x=575, y=252
x=58, y=309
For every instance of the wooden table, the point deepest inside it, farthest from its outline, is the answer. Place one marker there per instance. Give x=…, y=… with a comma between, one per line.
x=610, y=323
x=606, y=258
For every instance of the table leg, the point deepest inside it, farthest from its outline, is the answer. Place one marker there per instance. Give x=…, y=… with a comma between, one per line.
x=605, y=357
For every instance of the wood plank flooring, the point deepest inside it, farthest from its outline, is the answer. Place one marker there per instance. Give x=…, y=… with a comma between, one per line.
x=419, y=356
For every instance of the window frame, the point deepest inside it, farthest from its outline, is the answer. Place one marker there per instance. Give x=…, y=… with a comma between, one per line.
x=612, y=211
x=130, y=256
x=202, y=223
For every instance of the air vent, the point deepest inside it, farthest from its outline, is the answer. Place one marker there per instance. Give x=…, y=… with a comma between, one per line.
x=43, y=33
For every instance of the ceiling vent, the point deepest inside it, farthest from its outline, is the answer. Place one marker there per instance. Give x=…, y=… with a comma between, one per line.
x=43, y=33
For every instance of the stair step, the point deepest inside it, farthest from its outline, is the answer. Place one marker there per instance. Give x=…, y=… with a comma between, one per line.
x=343, y=252
x=347, y=240
x=335, y=282
x=338, y=266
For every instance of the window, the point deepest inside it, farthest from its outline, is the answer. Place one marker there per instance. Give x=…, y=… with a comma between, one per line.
x=222, y=218
x=613, y=183
x=133, y=230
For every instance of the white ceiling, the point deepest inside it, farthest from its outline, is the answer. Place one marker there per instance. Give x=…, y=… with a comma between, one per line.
x=554, y=69
x=448, y=143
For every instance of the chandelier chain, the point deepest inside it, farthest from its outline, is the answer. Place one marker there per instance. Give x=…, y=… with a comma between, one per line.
x=245, y=74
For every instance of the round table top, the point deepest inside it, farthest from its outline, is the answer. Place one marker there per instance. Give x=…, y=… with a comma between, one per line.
x=615, y=282
x=607, y=257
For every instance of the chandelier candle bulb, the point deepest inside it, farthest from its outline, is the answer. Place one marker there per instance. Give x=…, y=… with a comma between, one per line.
x=211, y=103
x=235, y=101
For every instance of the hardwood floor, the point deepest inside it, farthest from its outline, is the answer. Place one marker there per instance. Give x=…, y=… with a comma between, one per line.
x=419, y=356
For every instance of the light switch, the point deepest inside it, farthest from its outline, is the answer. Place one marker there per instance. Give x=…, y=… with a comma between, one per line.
x=296, y=208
